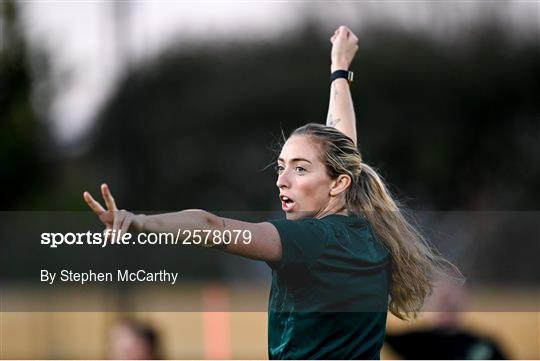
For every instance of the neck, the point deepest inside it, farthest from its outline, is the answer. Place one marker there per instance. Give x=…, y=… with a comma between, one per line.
x=329, y=209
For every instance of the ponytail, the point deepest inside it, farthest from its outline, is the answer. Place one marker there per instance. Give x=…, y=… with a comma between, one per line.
x=414, y=261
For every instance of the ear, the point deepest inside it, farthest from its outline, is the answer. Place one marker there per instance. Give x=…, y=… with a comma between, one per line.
x=340, y=185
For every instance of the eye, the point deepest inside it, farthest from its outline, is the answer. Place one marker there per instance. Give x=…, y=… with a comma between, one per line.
x=299, y=169
x=279, y=169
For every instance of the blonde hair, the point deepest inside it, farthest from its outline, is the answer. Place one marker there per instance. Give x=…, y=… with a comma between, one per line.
x=414, y=260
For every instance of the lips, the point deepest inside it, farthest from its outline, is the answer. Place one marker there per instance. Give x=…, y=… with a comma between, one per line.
x=287, y=203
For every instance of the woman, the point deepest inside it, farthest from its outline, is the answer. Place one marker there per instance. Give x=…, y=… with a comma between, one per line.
x=345, y=253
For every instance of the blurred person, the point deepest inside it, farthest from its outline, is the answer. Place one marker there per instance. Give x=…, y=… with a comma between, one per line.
x=132, y=340
x=445, y=338
x=344, y=255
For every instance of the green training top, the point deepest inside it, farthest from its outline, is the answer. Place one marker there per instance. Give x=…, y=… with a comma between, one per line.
x=329, y=295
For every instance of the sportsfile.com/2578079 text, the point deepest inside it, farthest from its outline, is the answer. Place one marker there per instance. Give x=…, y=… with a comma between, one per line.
x=197, y=237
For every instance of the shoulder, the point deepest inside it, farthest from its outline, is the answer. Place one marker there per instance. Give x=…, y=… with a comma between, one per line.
x=301, y=240
x=299, y=229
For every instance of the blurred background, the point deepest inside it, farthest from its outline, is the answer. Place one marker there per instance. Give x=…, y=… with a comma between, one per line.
x=181, y=105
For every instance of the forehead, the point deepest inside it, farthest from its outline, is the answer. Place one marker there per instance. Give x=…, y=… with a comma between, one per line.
x=300, y=146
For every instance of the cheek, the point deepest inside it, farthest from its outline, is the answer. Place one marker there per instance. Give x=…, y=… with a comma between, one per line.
x=313, y=191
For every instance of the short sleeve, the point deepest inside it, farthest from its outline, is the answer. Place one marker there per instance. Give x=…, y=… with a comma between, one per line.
x=302, y=242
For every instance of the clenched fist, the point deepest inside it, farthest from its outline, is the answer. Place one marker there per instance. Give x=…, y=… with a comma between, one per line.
x=344, y=47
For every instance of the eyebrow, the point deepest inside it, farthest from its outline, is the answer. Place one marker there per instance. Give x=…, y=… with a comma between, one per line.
x=295, y=160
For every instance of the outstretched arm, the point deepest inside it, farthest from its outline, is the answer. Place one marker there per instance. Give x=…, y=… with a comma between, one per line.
x=340, y=107
x=259, y=241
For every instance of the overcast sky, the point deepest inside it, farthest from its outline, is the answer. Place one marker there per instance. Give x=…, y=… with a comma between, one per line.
x=89, y=41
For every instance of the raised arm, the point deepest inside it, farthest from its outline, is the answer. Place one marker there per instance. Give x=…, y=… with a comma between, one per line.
x=259, y=241
x=340, y=107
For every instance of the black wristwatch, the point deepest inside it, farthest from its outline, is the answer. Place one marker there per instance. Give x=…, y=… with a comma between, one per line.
x=342, y=74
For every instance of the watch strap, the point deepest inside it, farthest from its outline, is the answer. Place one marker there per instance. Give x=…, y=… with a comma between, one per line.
x=342, y=74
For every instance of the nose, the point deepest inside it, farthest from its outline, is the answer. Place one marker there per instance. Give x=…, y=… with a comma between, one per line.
x=283, y=180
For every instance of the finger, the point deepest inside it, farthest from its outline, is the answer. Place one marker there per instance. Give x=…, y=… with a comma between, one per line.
x=126, y=223
x=93, y=204
x=118, y=218
x=107, y=233
x=107, y=218
x=341, y=34
x=107, y=196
